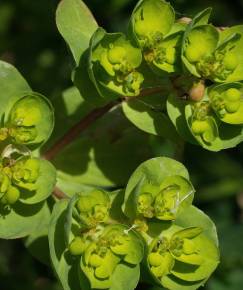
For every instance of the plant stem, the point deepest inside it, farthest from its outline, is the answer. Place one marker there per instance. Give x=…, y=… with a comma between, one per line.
x=75, y=131
x=88, y=120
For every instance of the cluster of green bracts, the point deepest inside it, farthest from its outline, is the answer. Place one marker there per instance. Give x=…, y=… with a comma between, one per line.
x=190, y=55
x=180, y=252
x=104, y=246
x=24, y=127
x=21, y=175
x=156, y=229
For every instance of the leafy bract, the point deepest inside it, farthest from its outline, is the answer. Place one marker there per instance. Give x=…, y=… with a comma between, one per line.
x=25, y=122
x=13, y=86
x=21, y=219
x=153, y=28
x=76, y=24
x=144, y=116
x=65, y=267
x=186, y=253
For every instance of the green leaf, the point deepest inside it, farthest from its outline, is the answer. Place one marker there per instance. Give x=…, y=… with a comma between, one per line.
x=64, y=265
x=102, y=156
x=148, y=119
x=201, y=18
x=194, y=217
x=21, y=220
x=37, y=242
x=237, y=75
x=44, y=184
x=176, y=109
x=76, y=24
x=12, y=85
x=125, y=277
x=69, y=218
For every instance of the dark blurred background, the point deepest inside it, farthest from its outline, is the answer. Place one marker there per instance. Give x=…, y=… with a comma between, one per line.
x=29, y=40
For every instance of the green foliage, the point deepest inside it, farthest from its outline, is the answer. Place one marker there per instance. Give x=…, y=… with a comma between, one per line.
x=174, y=239
x=176, y=79
x=25, y=181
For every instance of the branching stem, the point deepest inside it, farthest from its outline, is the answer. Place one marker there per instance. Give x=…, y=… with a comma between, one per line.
x=88, y=120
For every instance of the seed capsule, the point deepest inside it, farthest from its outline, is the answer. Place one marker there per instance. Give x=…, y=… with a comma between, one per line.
x=199, y=127
x=77, y=246
x=232, y=107
x=233, y=95
x=95, y=261
x=155, y=259
x=11, y=196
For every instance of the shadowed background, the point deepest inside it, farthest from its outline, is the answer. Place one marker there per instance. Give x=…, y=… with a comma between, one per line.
x=30, y=41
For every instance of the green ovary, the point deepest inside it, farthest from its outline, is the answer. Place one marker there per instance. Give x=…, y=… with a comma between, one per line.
x=115, y=54
x=77, y=246
x=228, y=105
x=11, y=196
x=199, y=127
x=155, y=259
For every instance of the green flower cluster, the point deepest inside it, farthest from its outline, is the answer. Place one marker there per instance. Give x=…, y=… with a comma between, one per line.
x=23, y=178
x=158, y=201
x=186, y=254
x=166, y=201
x=21, y=175
x=210, y=56
x=102, y=244
x=115, y=64
x=157, y=34
x=156, y=229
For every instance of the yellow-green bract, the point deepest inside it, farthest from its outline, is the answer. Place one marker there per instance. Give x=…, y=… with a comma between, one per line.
x=114, y=65
x=154, y=29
